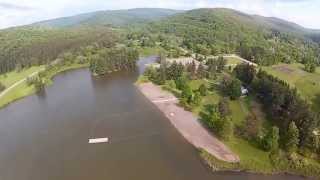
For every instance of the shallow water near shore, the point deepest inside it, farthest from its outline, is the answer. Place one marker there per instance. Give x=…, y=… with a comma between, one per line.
x=45, y=136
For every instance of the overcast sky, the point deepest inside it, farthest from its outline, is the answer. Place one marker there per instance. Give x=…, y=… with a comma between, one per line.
x=20, y=12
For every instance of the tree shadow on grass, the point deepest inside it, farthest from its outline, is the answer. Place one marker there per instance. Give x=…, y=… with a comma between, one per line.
x=316, y=103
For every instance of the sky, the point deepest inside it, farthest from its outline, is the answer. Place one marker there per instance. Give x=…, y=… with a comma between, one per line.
x=21, y=12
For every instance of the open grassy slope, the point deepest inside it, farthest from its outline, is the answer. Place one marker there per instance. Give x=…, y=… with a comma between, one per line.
x=307, y=84
x=14, y=76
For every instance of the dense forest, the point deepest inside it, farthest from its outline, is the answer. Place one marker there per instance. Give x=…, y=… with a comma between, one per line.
x=202, y=31
x=224, y=31
x=113, y=59
x=282, y=104
x=23, y=47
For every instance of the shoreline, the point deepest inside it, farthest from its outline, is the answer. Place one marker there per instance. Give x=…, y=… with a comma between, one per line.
x=187, y=123
x=29, y=90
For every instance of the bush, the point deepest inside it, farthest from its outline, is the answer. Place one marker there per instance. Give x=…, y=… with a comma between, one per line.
x=271, y=141
x=203, y=90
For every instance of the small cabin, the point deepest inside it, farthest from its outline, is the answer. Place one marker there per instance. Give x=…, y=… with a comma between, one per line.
x=244, y=91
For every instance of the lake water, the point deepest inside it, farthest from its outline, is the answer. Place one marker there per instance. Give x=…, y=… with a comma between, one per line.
x=45, y=136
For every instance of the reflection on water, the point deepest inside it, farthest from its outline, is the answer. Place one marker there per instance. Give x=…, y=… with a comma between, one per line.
x=45, y=137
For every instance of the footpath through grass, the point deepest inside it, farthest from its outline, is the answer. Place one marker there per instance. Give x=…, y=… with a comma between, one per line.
x=24, y=89
x=12, y=77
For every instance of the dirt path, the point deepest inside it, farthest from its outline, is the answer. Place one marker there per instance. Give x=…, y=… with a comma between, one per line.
x=18, y=83
x=187, y=123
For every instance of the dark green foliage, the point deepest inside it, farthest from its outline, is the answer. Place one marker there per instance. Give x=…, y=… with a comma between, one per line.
x=223, y=107
x=25, y=46
x=203, y=90
x=211, y=117
x=292, y=138
x=310, y=67
x=285, y=105
x=231, y=87
x=153, y=75
x=294, y=164
x=2, y=87
x=245, y=73
x=174, y=71
x=223, y=31
x=271, y=140
x=113, y=59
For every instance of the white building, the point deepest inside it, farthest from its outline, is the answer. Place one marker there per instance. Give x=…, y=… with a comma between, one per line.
x=244, y=91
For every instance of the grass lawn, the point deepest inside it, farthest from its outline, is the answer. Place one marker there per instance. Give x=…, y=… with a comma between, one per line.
x=24, y=90
x=14, y=76
x=233, y=60
x=307, y=84
x=251, y=157
x=16, y=93
x=149, y=51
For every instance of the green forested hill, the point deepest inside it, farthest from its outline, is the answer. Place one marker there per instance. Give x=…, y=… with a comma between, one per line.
x=260, y=39
x=26, y=46
x=42, y=42
x=205, y=31
x=113, y=17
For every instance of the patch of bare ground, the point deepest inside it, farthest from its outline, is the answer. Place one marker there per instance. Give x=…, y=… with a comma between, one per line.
x=187, y=123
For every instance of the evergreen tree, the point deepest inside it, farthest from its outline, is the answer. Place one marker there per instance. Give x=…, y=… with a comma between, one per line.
x=245, y=73
x=292, y=138
x=234, y=90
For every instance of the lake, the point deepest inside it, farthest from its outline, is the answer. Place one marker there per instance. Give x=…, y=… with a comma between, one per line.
x=45, y=136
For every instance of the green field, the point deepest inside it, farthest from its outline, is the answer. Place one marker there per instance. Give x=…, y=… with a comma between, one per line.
x=24, y=90
x=307, y=84
x=233, y=60
x=150, y=51
x=12, y=77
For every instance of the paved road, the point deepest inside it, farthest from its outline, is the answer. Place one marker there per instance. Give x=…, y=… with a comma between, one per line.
x=18, y=83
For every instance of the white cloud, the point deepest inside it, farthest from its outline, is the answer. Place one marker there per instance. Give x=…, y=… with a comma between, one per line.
x=19, y=12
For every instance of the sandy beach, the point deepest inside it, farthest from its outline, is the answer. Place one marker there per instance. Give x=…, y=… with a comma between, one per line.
x=187, y=123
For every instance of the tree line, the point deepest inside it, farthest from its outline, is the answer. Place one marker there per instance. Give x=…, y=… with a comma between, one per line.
x=113, y=59
x=283, y=104
x=26, y=46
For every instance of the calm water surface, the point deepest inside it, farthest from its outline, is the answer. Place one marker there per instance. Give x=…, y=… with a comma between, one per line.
x=45, y=137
